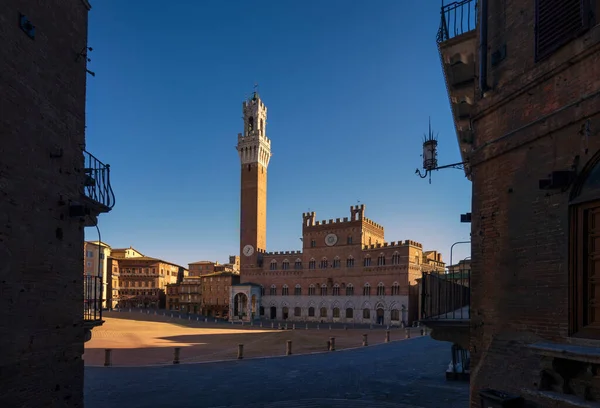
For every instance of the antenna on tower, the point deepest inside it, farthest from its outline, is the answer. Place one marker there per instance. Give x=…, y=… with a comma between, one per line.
x=256, y=87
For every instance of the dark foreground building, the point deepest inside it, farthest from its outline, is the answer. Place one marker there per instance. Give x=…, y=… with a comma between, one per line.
x=50, y=189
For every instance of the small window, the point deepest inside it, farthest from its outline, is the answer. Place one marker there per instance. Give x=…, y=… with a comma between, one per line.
x=367, y=290
x=336, y=290
x=313, y=243
x=272, y=292
x=336, y=262
x=349, y=290
x=311, y=312
x=324, y=264
x=380, y=290
x=366, y=313
x=381, y=260
x=297, y=312
x=273, y=265
x=349, y=313
x=323, y=312
x=298, y=264
x=323, y=290
x=395, y=289
x=367, y=261
x=349, y=240
x=285, y=265
x=297, y=290
x=350, y=262
x=311, y=290
x=285, y=291
x=336, y=312
x=312, y=264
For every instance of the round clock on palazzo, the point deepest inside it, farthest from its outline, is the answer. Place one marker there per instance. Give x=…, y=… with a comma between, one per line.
x=248, y=250
x=331, y=239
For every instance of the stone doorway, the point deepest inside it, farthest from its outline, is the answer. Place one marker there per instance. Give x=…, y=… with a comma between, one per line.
x=380, y=314
x=273, y=314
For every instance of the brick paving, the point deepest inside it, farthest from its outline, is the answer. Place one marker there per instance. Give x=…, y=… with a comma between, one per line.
x=406, y=374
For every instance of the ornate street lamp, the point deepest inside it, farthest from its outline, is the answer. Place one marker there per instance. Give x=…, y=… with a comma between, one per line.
x=430, y=162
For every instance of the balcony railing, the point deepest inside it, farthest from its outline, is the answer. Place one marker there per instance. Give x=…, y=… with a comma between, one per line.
x=446, y=296
x=92, y=298
x=457, y=18
x=97, y=181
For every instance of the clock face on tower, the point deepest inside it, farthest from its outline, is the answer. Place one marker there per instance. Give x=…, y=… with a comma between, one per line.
x=331, y=239
x=248, y=250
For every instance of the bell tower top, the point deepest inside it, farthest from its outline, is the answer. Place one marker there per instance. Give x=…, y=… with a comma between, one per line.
x=253, y=145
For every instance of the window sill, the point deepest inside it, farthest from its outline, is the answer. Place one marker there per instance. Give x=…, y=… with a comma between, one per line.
x=573, y=352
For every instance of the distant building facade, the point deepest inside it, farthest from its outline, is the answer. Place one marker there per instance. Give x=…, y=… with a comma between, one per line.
x=96, y=254
x=346, y=271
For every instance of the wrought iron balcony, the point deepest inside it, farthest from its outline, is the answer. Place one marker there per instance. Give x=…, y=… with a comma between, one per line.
x=446, y=296
x=457, y=18
x=97, y=183
x=92, y=300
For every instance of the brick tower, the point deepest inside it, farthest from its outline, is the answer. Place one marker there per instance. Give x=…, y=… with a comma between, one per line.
x=254, y=149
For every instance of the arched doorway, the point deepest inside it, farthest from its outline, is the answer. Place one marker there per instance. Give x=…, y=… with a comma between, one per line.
x=273, y=312
x=380, y=314
x=285, y=312
x=584, y=248
x=240, y=305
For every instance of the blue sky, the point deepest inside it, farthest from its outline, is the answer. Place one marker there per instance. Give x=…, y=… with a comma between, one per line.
x=349, y=86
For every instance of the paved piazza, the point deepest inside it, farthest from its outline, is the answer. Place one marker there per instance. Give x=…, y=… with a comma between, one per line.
x=402, y=374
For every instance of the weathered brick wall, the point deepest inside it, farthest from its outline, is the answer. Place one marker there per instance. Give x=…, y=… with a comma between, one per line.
x=42, y=115
x=519, y=232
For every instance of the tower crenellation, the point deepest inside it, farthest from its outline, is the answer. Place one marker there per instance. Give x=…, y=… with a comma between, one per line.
x=254, y=147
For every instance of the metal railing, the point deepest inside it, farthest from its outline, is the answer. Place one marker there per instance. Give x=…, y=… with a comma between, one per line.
x=97, y=181
x=92, y=298
x=457, y=18
x=446, y=296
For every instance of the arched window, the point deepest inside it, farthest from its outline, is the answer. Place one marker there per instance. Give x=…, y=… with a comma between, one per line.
x=396, y=258
x=311, y=290
x=395, y=315
x=336, y=312
x=349, y=313
x=285, y=265
x=298, y=290
x=285, y=291
x=350, y=262
x=323, y=312
x=336, y=290
x=273, y=265
x=395, y=289
x=367, y=260
x=250, y=124
x=349, y=240
x=312, y=264
x=380, y=289
x=273, y=291
x=336, y=262
x=323, y=290
x=298, y=264
x=381, y=260
x=262, y=290
x=311, y=312
x=367, y=289
x=262, y=127
x=297, y=311
x=366, y=313
x=349, y=290
x=324, y=263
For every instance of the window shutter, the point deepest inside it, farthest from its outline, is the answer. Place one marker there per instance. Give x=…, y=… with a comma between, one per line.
x=558, y=22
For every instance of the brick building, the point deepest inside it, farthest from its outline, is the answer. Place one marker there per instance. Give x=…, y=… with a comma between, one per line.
x=51, y=189
x=141, y=281
x=524, y=86
x=346, y=270
x=215, y=293
x=201, y=268
x=95, y=264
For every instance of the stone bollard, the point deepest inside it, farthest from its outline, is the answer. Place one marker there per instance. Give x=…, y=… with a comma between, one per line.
x=332, y=343
x=164, y=314
x=240, y=351
x=294, y=326
x=242, y=322
x=370, y=327
x=328, y=345
x=318, y=328
x=197, y=319
x=107, y=358
x=232, y=322
x=155, y=313
x=329, y=327
x=148, y=311
x=176, y=355
x=272, y=325
x=278, y=326
x=288, y=348
x=129, y=310
x=171, y=315
x=306, y=326
x=365, y=342
x=252, y=323
x=387, y=336
x=388, y=327
x=189, y=318
x=408, y=332
x=345, y=328
x=206, y=320
x=215, y=320
x=260, y=324
x=286, y=326
x=180, y=315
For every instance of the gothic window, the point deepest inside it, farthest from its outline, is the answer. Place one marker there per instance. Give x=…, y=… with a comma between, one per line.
x=336, y=312
x=336, y=290
x=380, y=289
x=395, y=315
x=395, y=289
x=297, y=290
x=349, y=240
x=350, y=262
x=367, y=261
x=396, y=258
x=273, y=291
x=285, y=291
x=297, y=312
x=324, y=263
x=349, y=313
x=298, y=264
x=323, y=290
x=336, y=262
x=311, y=290
x=285, y=265
x=312, y=264
x=250, y=124
x=311, y=312
x=262, y=127
x=381, y=260
x=323, y=312
x=366, y=313
x=313, y=243
x=367, y=289
x=273, y=265
x=349, y=290
x=262, y=290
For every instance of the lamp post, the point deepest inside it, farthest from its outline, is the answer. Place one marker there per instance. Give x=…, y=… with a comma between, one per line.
x=430, y=162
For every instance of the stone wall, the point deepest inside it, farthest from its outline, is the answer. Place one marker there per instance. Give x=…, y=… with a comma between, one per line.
x=42, y=129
